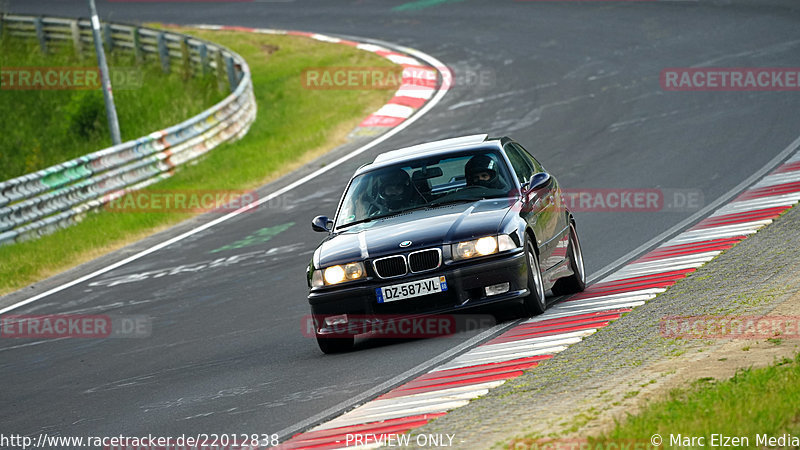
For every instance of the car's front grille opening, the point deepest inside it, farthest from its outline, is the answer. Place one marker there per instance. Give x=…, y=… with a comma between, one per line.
x=475, y=294
x=392, y=266
x=425, y=260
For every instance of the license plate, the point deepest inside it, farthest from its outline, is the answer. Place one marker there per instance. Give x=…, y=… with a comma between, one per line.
x=411, y=289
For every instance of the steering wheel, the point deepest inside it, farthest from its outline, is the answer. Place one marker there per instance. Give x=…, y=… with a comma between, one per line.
x=373, y=210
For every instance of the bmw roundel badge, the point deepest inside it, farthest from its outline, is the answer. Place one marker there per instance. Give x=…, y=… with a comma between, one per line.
x=405, y=244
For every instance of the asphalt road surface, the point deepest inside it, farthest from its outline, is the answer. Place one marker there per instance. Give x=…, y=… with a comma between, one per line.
x=576, y=82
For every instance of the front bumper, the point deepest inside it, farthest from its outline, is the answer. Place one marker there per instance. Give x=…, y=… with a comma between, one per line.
x=465, y=281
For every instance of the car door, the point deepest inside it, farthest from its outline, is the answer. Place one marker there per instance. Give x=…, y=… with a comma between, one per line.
x=539, y=206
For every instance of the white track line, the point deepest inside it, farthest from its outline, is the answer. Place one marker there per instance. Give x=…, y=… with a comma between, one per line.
x=758, y=203
x=399, y=59
x=655, y=270
x=578, y=304
x=407, y=401
x=369, y=416
x=778, y=178
x=672, y=260
x=475, y=390
x=459, y=363
x=392, y=110
x=560, y=313
x=626, y=294
x=710, y=234
x=414, y=91
x=372, y=48
x=556, y=339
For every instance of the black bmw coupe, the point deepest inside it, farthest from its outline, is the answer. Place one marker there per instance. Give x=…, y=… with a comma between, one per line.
x=441, y=228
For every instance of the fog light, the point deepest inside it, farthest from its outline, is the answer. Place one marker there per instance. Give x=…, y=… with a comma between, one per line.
x=332, y=321
x=496, y=289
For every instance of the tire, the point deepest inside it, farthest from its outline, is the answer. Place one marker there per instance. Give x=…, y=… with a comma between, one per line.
x=335, y=345
x=577, y=281
x=535, y=303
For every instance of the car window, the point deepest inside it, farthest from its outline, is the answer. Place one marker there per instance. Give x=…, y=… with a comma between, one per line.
x=425, y=182
x=537, y=166
x=523, y=167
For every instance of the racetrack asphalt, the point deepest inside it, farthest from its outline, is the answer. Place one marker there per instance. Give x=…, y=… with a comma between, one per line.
x=577, y=83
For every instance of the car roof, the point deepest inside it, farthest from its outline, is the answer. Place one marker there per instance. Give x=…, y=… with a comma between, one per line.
x=430, y=149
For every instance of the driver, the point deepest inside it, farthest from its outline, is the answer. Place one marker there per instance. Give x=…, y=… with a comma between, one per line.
x=395, y=191
x=481, y=170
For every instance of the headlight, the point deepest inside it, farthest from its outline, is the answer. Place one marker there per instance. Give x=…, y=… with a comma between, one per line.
x=338, y=274
x=487, y=245
x=478, y=247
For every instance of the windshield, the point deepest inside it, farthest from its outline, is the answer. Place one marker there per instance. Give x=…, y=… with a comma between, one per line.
x=423, y=183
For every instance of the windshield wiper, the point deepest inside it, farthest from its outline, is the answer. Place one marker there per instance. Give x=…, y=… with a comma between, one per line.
x=454, y=201
x=370, y=219
x=356, y=222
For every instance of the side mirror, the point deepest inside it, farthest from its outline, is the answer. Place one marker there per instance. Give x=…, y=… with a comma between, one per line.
x=321, y=224
x=539, y=180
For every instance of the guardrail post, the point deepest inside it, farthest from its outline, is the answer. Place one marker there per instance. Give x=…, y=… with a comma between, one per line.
x=102, y=65
x=233, y=80
x=37, y=23
x=76, y=38
x=2, y=18
x=137, y=45
x=108, y=43
x=203, y=52
x=186, y=60
x=220, y=70
x=163, y=52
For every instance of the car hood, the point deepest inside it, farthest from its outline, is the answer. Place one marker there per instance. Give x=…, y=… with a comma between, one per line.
x=424, y=228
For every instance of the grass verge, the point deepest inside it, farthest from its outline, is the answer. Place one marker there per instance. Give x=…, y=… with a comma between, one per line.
x=293, y=126
x=755, y=402
x=47, y=127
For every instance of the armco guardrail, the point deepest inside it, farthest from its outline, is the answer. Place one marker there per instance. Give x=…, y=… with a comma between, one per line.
x=41, y=202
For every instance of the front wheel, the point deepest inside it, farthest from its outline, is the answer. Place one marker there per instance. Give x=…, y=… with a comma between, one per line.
x=577, y=281
x=535, y=303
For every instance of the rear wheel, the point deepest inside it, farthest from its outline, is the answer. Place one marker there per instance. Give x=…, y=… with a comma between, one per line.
x=330, y=345
x=535, y=303
x=577, y=281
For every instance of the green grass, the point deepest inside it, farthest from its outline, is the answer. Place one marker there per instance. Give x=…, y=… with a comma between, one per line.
x=294, y=124
x=754, y=401
x=41, y=128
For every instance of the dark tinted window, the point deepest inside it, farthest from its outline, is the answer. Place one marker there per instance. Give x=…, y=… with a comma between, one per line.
x=537, y=166
x=523, y=167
